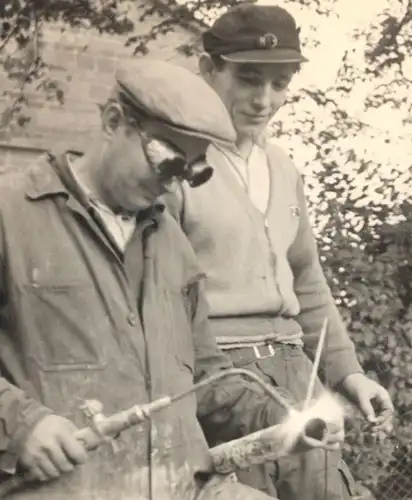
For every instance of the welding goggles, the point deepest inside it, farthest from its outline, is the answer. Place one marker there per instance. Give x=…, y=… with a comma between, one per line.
x=171, y=164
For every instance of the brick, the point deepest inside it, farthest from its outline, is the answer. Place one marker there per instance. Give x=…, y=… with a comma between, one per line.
x=111, y=46
x=99, y=93
x=67, y=58
x=85, y=61
x=106, y=65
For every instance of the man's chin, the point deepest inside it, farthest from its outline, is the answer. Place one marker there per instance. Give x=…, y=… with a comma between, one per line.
x=252, y=132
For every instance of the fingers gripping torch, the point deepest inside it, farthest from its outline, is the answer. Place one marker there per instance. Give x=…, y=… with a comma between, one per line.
x=265, y=445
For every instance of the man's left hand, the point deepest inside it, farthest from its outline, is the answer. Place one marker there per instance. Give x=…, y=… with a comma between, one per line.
x=371, y=398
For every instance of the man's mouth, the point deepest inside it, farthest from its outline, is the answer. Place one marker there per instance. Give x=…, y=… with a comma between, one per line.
x=255, y=118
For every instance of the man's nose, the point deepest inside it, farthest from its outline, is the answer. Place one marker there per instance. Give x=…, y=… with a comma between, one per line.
x=262, y=98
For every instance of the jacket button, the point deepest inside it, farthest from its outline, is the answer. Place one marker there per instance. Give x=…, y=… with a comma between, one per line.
x=132, y=319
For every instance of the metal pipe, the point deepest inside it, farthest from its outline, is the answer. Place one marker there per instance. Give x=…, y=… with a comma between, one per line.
x=106, y=428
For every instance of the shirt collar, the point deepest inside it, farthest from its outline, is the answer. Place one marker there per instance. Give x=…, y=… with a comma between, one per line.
x=259, y=142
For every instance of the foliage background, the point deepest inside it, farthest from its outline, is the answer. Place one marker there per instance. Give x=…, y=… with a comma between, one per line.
x=347, y=124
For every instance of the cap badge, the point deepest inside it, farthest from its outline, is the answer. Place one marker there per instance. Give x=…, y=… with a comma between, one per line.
x=295, y=210
x=267, y=41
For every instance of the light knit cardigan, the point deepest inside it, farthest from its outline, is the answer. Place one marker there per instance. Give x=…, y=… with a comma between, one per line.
x=263, y=274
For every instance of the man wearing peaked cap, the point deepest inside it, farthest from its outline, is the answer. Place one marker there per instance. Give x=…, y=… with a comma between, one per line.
x=101, y=299
x=251, y=232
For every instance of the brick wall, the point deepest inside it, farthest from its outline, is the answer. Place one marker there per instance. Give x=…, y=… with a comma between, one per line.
x=85, y=62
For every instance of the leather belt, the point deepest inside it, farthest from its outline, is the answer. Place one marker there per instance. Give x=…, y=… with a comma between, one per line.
x=249, y=354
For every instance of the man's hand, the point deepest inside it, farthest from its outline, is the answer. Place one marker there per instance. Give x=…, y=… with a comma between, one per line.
x=372, y=399
x=52, y=449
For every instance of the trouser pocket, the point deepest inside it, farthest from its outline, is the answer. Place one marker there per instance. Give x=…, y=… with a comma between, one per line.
x=349, y=483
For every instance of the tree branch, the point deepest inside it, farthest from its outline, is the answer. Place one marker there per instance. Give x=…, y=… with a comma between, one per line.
x=14, y=29
x=390, y=32
x=34, y=65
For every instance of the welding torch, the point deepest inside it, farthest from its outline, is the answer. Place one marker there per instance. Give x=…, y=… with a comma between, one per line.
x=258, y=447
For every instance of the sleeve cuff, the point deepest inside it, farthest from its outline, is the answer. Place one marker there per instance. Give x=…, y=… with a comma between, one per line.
x=339, y=367
x=29, y=419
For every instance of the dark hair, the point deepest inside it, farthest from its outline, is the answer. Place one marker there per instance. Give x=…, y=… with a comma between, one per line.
x=132, y=114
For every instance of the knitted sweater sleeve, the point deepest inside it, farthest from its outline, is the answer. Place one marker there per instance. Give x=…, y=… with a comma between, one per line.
x=317, y=303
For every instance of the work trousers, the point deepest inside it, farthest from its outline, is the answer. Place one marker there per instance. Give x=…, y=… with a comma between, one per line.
x=313, y=475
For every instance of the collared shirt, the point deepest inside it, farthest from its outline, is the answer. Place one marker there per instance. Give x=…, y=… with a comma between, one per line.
x=252, y=174
x=120, y=227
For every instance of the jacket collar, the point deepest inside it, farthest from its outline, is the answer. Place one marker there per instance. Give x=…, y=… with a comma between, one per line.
x=45, y=181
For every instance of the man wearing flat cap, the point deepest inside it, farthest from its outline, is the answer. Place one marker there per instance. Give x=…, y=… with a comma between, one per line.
x=250, y=230
x=101, y=299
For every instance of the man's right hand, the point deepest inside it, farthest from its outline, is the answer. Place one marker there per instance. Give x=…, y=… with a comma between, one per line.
x=52, y=449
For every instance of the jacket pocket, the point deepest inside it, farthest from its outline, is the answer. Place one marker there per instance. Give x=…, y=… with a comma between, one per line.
x=68, y=326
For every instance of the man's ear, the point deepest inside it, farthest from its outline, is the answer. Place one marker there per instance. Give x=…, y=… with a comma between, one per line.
x=112, y=118
x=206, y=67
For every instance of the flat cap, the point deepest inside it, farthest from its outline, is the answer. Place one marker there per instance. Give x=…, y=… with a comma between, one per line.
x=177, y=97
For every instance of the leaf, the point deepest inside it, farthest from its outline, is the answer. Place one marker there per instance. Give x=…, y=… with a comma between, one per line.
x=368, y=338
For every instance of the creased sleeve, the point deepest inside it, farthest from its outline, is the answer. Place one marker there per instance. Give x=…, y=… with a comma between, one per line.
x=317, y=303
x=18, y=412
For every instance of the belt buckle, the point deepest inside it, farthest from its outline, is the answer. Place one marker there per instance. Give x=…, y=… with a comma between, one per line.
x=263, y=356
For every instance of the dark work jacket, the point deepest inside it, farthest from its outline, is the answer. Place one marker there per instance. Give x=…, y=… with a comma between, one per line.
x=70, y=331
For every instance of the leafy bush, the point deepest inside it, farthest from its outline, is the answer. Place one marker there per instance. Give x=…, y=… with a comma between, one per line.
x=368, y=263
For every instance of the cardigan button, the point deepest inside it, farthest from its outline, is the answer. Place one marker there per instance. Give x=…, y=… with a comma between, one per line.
x=132, y=319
